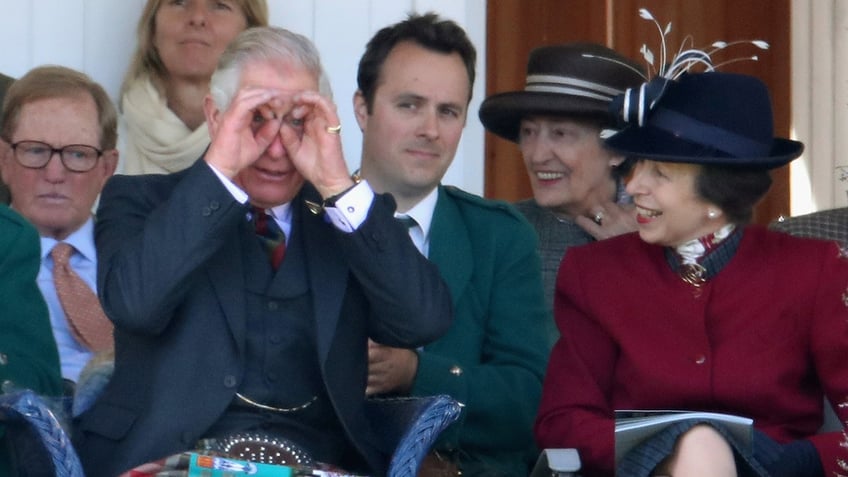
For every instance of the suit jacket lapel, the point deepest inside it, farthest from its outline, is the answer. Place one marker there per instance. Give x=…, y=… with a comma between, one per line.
x=226, y=273
x=450, y=245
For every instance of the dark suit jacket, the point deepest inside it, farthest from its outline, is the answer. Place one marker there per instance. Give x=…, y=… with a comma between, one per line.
x=5, y=82
x=829, y=224
x=170, y=276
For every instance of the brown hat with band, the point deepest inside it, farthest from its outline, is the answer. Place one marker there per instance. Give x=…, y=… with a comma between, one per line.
x=573, y=79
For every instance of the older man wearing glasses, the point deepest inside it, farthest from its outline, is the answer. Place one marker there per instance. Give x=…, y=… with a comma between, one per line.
x=60, y=130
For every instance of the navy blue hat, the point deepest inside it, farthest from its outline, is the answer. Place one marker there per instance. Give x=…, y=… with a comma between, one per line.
x=711, y=118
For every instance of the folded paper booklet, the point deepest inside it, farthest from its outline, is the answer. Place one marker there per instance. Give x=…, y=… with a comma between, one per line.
x=632, y=427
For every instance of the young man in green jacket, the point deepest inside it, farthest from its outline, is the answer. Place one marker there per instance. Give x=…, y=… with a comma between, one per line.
x=415, y=83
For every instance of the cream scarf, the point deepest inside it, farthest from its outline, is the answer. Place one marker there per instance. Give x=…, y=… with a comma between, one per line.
x=157, y=141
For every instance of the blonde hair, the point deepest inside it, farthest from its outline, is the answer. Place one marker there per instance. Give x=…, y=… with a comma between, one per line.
x=146, y=60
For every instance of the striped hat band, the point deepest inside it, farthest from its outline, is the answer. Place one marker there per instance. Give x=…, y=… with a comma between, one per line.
x=571, y=86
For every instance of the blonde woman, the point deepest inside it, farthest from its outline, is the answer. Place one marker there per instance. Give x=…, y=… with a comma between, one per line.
x=179, y=43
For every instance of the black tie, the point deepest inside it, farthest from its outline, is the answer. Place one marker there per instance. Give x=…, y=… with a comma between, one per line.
x=407, y=221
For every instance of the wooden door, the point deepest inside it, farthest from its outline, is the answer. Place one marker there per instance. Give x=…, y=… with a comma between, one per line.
x=517, y=26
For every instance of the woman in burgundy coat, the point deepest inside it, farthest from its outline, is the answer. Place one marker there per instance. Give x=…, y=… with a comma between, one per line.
x=699, y=310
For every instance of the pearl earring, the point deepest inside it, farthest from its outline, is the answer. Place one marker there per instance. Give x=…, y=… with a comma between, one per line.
x=712, y=214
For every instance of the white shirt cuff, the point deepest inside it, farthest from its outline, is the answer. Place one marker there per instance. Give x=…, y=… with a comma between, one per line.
x=351, y=209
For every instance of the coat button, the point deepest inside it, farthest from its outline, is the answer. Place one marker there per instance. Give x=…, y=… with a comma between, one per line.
x=378, y=241
x=214, y=205
x=456, y=370
x=700, y=359
x=7, y=386
x=4, y=360
x=273, y=306
x=229, y=381
x=206, y=212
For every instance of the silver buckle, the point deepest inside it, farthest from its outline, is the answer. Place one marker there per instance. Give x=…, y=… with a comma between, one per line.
x=262, y=448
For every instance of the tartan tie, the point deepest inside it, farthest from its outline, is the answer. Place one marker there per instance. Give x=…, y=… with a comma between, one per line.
x=88, y=324
x=272, y=238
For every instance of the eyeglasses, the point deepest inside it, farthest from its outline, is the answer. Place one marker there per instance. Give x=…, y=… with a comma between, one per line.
x=75, y=157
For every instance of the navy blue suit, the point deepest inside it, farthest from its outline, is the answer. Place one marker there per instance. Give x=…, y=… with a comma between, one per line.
x=172, y=278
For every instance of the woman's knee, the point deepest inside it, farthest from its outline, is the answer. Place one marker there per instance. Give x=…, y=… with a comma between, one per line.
x=701, y=451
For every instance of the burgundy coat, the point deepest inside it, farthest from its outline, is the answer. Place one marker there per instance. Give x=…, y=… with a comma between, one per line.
x=765, y=338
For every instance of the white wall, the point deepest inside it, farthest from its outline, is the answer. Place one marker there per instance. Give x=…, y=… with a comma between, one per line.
x=819, y=103
x=97, y=37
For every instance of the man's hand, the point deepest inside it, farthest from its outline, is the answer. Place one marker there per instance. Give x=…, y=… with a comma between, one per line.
x=314, y=150
x=615, y=219
x=390, y=370
x=242, y=133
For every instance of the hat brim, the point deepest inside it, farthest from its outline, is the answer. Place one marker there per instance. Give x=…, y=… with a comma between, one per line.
x=501, y=114
x=655, y=144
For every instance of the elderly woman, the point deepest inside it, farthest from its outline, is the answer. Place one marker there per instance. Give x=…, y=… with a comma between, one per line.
x=700, y=310
x=179, y=44
x=557, y=122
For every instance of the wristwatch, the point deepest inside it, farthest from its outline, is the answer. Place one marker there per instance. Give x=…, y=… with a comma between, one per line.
x=316, y=208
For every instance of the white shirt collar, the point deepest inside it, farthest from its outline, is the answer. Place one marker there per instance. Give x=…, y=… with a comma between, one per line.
x=282, y=214
x=423, y=211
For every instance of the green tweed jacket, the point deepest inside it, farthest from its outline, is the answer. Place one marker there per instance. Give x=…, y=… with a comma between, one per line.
x=494, y=356
x=28, y=355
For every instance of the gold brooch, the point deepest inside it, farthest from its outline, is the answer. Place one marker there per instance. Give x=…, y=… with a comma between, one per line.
x=693, y=274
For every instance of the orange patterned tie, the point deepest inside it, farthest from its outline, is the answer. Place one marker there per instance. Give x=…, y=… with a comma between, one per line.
x=88, y=323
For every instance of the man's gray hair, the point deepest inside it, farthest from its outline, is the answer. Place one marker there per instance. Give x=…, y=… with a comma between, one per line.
x=264, y=43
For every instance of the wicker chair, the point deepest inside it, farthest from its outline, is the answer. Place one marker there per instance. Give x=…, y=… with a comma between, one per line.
x=27, y=417
x=411, y=425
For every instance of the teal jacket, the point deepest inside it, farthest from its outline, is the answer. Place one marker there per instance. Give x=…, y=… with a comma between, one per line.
x=493, y=357
x=28, y=355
